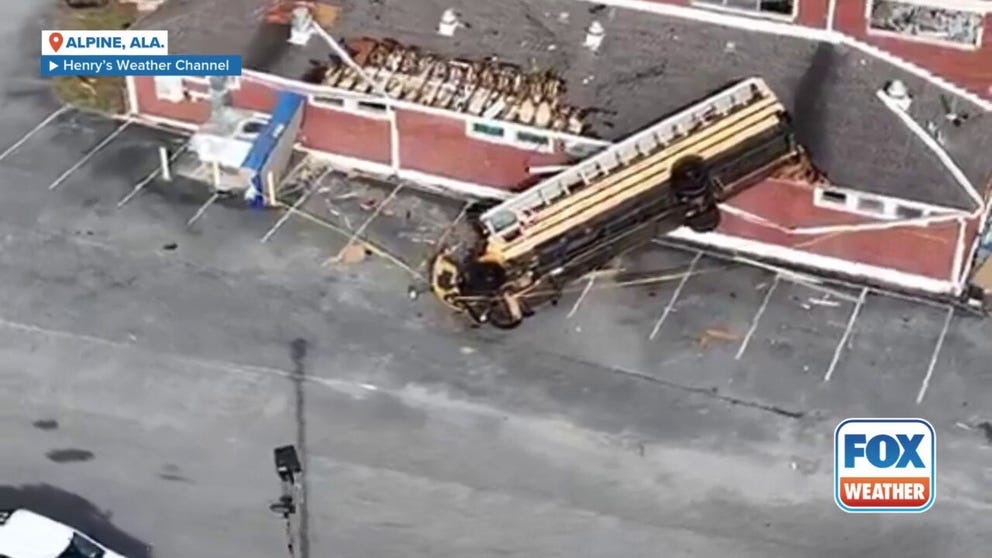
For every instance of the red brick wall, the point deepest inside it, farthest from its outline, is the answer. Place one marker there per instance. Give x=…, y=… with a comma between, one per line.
x=438, y=145
x=925, y=251
x=971, y=69
x=347, y=134
x=252, y=95
x=813, y=13
x=148, y=103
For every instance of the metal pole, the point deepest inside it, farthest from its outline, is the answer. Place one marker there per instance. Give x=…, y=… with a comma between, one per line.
x=163, y=156
x=289, y=537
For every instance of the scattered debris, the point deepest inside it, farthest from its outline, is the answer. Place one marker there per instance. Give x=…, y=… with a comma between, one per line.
x=594, y=36
x=804, y=466
x=46, y=424
x=563, y=17
x=825, y=301
x=962, y=426
x=911, y=19
x=951, y=113
x=899, y=93
x=449, y=23
x=85, y=3
x=369, y=205
x=345, y=196
x=352, y=254
x=717, y=334
x=986, y=428
x=419, y=238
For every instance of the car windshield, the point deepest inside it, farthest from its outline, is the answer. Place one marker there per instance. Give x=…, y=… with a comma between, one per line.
x=81, y=547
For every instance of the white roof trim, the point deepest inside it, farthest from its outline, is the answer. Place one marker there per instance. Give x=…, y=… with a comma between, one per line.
x=921, y=222
x=888, y=276
x=939, y=151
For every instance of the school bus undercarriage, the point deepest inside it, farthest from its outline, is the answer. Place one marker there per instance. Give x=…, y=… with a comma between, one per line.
x=672, y=174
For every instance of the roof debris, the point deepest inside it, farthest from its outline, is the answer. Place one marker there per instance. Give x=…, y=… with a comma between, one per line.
x=931, y=23
x=281, y=12
x=486, y=88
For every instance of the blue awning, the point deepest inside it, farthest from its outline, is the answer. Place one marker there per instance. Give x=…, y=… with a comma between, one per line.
x=287, y=105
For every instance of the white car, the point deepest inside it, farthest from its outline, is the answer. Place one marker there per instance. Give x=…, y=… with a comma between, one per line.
x=25, y=534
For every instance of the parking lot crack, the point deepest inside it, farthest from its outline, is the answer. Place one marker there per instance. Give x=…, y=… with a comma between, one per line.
x=711, y=393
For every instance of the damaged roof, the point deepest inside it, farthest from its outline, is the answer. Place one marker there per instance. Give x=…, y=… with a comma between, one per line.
x=246, y=27
x=648, y=66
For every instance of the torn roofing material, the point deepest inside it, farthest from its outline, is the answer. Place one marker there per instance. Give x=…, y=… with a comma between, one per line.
x=650, y=65
x=487, y=88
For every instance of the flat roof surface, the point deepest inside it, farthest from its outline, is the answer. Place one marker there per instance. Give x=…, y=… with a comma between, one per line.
x=648, y=66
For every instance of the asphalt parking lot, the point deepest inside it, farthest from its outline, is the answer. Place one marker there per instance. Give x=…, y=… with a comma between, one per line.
x=693, y=318
x=792, y=354
x=739, y=329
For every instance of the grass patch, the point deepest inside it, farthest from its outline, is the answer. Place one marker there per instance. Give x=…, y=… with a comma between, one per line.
x=100, y=93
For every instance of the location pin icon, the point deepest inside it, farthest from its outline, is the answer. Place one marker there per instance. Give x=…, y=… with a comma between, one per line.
x=55, y=40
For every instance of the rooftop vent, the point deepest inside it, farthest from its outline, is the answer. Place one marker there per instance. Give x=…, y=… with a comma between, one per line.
x=301, y=26
x=594, y=36
x=219, y=92
x=448, y=24
x=897, y=91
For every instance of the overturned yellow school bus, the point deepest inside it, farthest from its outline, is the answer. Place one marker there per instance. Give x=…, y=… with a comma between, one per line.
x=672, y=174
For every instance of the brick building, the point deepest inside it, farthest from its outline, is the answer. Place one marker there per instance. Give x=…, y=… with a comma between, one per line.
x=890, y=98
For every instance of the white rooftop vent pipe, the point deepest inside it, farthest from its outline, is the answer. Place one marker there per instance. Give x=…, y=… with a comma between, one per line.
x=301, y=26
x=449, y=22
x=897, y=91
x=594, y=36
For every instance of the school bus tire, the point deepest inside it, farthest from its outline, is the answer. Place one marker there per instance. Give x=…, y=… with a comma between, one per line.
x=500, y=316
x=705, y=221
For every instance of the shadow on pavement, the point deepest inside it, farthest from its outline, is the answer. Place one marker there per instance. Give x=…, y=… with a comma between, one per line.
x=76, y=512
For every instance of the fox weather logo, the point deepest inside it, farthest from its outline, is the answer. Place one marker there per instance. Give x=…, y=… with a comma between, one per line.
x=884, y=465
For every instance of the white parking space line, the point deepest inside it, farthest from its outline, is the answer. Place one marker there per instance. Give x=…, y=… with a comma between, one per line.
x=448, y=229
x=203, y=209
x=314, y=185
x=33, y=131
x=358, y=232
x=675, y=295
x=151, y=176
x=287, y=214
x=585, y=291
x=451, y=226
x=846, y=336
x=935, y=356
x=757, y=317
x=103, y=143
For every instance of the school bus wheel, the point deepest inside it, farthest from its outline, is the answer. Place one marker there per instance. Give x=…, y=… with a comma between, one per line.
x=501, y=316
x=705, y=221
